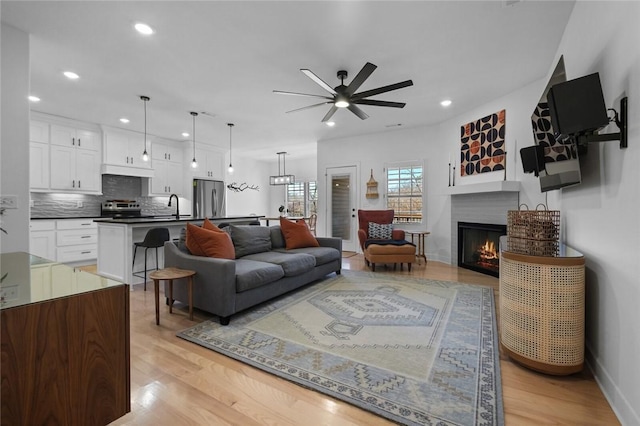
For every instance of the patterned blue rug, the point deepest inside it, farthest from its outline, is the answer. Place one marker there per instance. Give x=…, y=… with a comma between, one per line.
x=411, y=350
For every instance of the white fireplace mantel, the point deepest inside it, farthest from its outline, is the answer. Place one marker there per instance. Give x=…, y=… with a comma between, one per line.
x=478, y=188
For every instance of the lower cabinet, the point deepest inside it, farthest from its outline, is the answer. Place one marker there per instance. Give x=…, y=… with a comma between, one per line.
x=65, y=240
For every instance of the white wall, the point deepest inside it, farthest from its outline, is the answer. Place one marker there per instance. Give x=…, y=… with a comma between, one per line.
x=249, y=201
x=14, y=146
x=600, y=217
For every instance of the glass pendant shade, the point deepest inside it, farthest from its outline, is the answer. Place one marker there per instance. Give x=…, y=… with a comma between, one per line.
x=230, y=166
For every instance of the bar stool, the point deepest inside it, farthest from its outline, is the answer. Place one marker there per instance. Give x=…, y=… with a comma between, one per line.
x=154, y=238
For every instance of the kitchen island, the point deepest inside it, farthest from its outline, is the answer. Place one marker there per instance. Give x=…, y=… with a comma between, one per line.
x=116, y=238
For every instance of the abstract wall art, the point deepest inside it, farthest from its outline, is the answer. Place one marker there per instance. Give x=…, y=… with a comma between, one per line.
x=483, y=145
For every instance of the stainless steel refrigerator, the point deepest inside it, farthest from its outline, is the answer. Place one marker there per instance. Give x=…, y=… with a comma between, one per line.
x=208, y=198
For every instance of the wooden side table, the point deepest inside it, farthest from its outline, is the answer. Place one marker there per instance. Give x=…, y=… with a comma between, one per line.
x=420, y=236
x=171, y=274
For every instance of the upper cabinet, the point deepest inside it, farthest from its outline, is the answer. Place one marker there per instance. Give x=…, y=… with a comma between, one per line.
x=168, y=167
x=123, y=153
x=64, y=155
x=210, y=163
x=75, y=138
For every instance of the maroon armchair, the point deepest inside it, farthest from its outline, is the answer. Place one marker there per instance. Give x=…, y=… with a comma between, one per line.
x=382, y=217
x=396, y=250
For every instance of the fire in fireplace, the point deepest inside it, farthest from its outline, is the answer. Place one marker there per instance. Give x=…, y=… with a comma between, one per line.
x=478, y=246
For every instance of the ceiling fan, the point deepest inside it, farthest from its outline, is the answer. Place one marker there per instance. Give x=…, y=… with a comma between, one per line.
x=345, y=97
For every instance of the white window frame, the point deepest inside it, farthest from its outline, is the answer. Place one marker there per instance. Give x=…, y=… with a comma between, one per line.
x=398, y=165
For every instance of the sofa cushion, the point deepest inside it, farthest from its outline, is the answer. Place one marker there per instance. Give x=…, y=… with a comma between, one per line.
x=207, y=224
x=248, y=239
x=292, y=263
x=277, y=239
x=379, y=231
x=323, y=255
x=297, y=234
x=204, y=242
x=252, y=274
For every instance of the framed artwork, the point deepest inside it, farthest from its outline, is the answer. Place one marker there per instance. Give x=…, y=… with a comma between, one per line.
x=483, y=145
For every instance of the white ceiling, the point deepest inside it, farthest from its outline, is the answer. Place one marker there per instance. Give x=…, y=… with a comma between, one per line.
x=226, y=58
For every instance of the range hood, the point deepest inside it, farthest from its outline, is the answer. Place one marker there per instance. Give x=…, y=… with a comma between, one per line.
x=111, y=169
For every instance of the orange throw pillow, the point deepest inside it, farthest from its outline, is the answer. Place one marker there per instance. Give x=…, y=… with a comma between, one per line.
x=210, y=225
x=297, y=234
x=205, y=242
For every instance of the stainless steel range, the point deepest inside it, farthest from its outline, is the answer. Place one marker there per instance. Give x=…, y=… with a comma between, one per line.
x=120, y=209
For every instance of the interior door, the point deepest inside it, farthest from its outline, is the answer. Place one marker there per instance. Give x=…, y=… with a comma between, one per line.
x=342, y=221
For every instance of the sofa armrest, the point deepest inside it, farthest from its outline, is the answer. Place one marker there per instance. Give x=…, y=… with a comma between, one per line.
x=336, y=243
x=215, y=278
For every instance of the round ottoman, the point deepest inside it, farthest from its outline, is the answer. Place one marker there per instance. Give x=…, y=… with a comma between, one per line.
x=390, y=253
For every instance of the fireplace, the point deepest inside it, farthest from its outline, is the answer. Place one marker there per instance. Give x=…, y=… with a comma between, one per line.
x=478, y=246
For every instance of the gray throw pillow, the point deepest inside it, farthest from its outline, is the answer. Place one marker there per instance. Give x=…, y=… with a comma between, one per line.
x=277, y=239
x=379, y=231
x=249, y=239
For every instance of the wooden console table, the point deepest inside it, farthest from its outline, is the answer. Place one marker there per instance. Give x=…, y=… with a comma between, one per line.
x=542, y=309
x=65, y=344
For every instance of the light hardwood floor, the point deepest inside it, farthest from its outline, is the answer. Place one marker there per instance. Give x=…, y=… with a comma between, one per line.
x=175, y=382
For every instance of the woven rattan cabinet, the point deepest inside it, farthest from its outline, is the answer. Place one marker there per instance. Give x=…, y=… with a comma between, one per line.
x=542, y=309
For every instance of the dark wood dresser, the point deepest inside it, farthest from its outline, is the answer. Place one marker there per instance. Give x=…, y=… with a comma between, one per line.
x=65, y=344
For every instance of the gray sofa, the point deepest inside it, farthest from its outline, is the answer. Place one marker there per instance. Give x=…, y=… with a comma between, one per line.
x=262, y=270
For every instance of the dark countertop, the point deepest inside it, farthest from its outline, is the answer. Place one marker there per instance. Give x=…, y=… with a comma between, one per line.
x=172, y=219
x=66, y=217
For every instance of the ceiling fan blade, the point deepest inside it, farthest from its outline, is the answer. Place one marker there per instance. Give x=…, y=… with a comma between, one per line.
x=330, y=113
x=310, y=106
x=318, y=81
x=280, y=92
x=357, y=111
x=380, y=90
x=364, y=73
x=380, y=103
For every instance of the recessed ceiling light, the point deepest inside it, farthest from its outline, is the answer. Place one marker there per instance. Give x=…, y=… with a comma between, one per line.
x=124, y=120
x=185, y=134
x=34, y=98
x=143, y=28
x=71, y=75
x=445, y=103
x=331, y=123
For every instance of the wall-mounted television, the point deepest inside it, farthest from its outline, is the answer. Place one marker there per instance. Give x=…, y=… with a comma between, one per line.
x=577, y=106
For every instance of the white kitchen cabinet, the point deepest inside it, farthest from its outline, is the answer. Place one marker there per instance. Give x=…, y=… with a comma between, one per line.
x=168, y=170
x=125, y=149
x=75, y=169
x=38, y=166
x=39, y=131
x=76, y=240
x=42, y=238
x=210, y=164
x=75, y=137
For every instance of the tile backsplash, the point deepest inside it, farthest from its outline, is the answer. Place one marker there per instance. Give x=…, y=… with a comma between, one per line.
x=59, y=205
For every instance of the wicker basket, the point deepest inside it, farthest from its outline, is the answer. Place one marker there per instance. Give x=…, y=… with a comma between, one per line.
x=538, y=225
x=532, y=247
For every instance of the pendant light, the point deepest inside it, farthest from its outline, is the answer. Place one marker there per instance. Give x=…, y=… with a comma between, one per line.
x=194, y=163
x=145, y=155
x=230, y=166
x=282, y=178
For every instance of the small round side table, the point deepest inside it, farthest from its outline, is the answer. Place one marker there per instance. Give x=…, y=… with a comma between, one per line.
x=170, y=274
x=421, y=235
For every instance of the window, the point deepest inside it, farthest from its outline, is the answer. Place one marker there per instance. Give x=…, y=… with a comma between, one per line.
x=302, y=199
x=404, y=192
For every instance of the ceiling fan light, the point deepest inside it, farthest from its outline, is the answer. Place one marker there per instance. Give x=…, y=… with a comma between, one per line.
x=342, y=103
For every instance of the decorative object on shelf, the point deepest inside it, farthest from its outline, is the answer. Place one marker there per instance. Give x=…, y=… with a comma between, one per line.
x=533, y=232
x=194, y=163
x=482, y=145
x=282, y=178
x=145, y=155
x=230, y=166
x=454, y=176
x=505, y=164
x=239, y=188
x=281, y=210
x=449, y=171
x=372, y=187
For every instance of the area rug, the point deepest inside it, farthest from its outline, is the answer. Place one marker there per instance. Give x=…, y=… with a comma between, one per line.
x=411, y=350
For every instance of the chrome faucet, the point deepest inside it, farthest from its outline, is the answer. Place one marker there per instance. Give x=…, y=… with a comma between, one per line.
x=177, y=205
